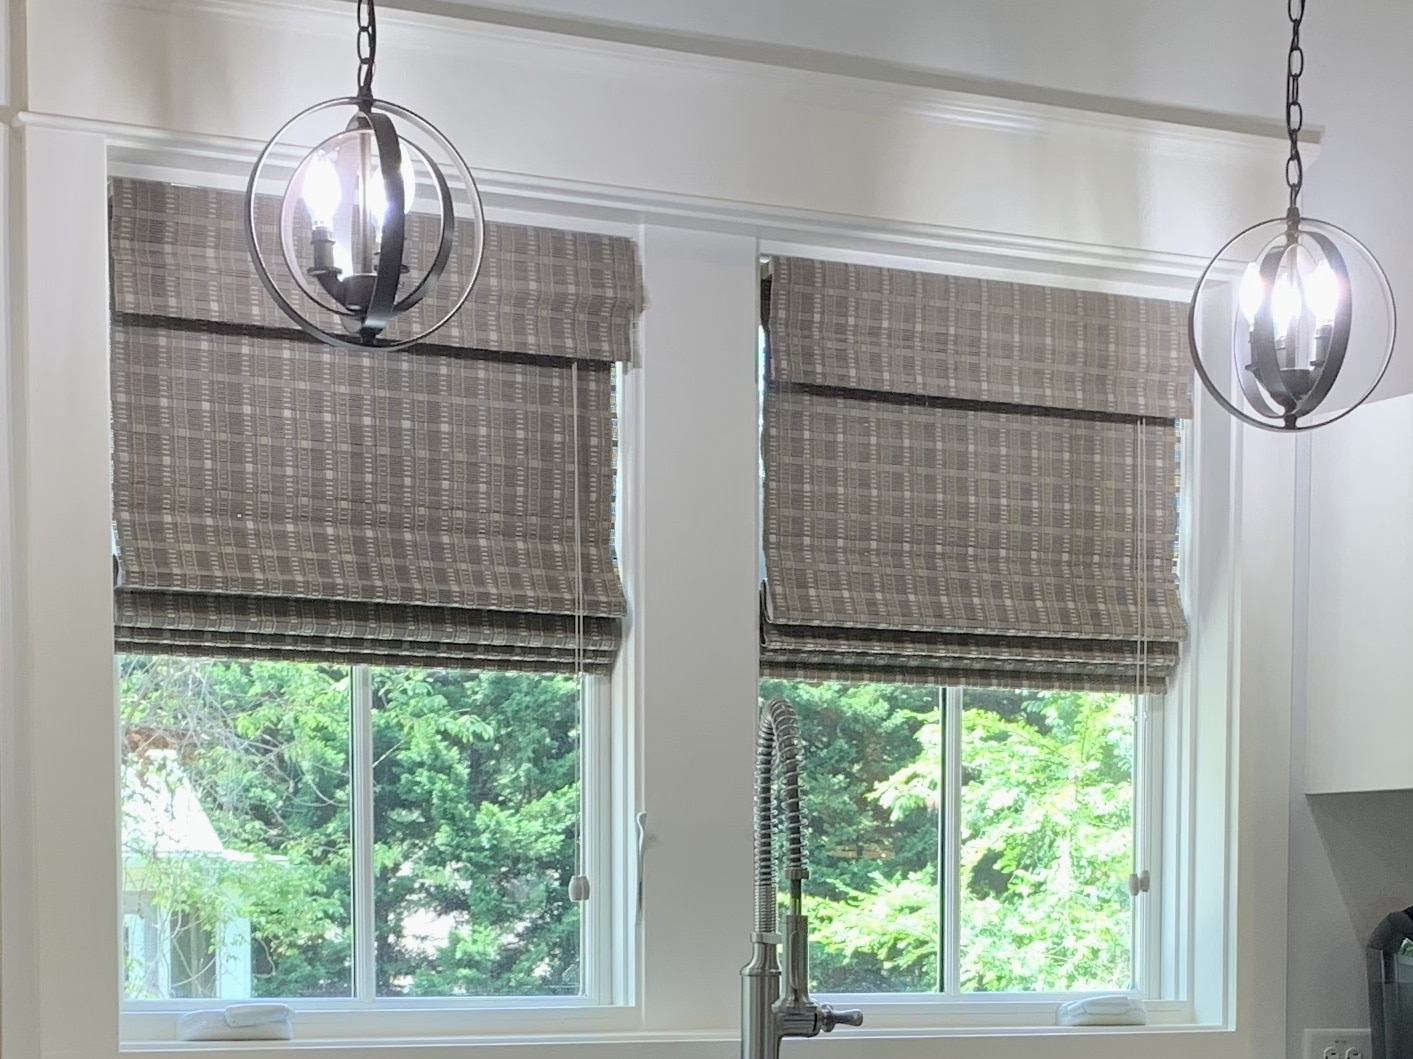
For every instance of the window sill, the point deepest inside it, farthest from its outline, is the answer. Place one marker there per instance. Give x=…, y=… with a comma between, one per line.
x=1156, y=1042
x=994, y=1018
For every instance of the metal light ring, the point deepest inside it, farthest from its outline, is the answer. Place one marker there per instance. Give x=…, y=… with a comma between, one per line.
x=333, y=338
x=1263, y=347
x=1339, y=328
x=1210, y=385
x=380, y=306
x=449, y=215
x=444, y=245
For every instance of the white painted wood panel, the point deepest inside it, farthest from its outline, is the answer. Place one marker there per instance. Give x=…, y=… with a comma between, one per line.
x=525, y=102
x=1360, y=667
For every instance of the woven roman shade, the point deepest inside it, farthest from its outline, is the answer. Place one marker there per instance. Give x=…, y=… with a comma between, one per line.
x=274, y=496
x=970, y=482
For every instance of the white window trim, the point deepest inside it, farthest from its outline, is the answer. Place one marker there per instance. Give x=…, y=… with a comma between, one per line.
x=701, y=219
x=1177, y=746
x=615, y=1010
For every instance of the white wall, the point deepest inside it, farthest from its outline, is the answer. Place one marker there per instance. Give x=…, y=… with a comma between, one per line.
x=1213, y=55
x=1352, y=853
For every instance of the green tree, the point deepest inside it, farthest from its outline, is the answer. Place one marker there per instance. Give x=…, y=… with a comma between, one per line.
x=854, y=735
x=476, y=781
x=1046, y=849
x=474, y=813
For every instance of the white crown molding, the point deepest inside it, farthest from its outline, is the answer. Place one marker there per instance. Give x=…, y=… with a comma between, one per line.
x=216, y=161
x=891, y=88
x=619, y=132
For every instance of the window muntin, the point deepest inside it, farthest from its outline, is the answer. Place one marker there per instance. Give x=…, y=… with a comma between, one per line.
x=240, y=844
x=1031, y=832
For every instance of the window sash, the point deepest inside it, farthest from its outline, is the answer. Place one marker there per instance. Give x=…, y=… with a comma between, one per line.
x=600, y=948
x=1146, y=943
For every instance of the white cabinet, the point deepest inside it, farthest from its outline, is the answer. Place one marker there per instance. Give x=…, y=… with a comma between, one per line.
x=1360, y=654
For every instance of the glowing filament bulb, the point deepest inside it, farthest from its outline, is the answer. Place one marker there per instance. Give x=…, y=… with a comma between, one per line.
x=1286, y=305
x=377, y=193
x=321, y=191
x=1323, y=294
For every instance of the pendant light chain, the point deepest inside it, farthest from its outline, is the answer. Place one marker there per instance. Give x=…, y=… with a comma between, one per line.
x=367, y=48
x=1294, y=112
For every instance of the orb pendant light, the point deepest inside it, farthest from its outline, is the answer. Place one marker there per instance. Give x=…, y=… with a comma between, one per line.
x=364, y=223
x=1292, y=323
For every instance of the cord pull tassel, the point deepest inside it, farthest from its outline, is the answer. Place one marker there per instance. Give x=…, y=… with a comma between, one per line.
x=579, y=889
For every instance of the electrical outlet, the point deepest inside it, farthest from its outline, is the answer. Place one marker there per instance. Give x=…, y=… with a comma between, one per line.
x=1338, y=1044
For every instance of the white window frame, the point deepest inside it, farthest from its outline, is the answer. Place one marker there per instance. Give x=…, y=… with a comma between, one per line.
x=1147, y=942
x=1166, y=841
x=953, y=1007
x=691, y=566
x=364, y=1015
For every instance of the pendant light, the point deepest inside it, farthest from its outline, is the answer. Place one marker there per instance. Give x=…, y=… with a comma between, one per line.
x=361, y=243
x=1292, y=323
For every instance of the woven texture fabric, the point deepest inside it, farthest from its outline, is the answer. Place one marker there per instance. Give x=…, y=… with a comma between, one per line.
x=943, y=538
x=180, y=252
x=893, y=331
x=275, y=496
x=339, y=631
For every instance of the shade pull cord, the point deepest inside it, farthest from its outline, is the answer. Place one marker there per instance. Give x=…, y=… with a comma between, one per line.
x=1136, y=881
x=579, y=884
x=1140, y=666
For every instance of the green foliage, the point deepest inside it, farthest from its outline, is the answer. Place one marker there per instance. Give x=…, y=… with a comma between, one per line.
x=1047, y=841
x=476, y=799
x=1044, y=857
x=861, y=854
x=473, y=820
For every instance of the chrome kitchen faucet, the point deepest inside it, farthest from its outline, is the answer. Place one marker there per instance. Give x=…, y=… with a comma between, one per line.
x=776, y=1003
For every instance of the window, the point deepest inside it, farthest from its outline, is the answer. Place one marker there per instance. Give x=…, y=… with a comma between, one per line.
x=969, y=539
x=694, y=660
x=243, y=836
x=1007, y=872
x=361, y=602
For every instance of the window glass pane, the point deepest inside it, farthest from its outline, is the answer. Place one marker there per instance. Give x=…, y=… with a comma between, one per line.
x=1043, y=855
x=235, y=828
x=1047, y=840
x=475, y=797
x=872, y=794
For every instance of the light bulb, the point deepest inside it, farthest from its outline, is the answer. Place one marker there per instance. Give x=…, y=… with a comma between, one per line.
x=377, y=193
x=1286, y=306
x=321, y=191
x=1322, y=294
x=1253, y=292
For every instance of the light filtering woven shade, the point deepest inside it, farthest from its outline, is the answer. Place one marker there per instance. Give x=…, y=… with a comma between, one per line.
x=963, y=538
x=180, y=252
x=275, y=496
x=885, y=330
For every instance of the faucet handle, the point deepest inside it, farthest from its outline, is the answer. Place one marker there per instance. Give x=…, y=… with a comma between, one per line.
x=832, y=1018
